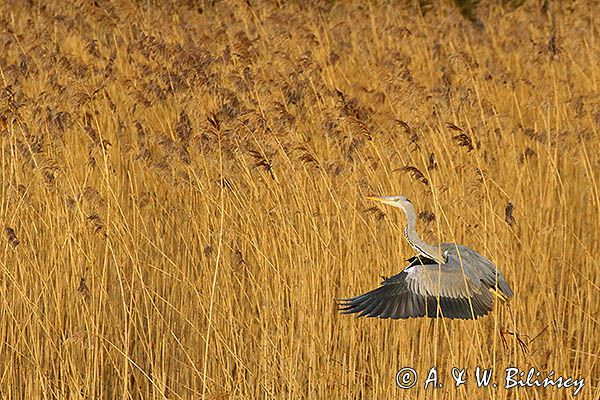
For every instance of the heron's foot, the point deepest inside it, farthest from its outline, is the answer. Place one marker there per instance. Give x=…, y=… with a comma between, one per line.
x=522, y=343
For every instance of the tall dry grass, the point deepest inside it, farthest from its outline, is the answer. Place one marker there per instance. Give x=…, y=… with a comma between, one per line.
x=182, y=194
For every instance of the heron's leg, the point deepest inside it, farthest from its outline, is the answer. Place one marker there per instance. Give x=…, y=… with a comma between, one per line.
x=522, y=343
x=503, y=333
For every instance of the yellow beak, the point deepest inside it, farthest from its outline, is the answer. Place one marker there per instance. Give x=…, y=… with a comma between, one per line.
x=383, y=199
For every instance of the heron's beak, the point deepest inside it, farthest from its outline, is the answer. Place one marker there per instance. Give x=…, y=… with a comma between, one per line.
x=382, y=199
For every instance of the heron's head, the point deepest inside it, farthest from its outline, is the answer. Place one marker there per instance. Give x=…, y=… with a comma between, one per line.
x=395, y=201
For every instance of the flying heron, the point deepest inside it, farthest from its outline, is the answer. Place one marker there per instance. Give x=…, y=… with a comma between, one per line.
x=448, y=280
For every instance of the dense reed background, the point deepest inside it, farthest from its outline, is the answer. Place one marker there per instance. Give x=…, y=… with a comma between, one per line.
x=182, y=193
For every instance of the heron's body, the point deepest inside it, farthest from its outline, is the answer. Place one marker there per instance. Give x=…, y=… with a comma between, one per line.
x=447, y=280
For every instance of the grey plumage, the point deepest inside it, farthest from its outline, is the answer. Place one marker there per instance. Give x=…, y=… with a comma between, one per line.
x=447, y=280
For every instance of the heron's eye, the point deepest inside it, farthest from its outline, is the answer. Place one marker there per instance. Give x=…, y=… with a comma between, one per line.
x=408, y=200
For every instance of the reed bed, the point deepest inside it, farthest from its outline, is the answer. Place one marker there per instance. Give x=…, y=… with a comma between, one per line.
x=182, y=194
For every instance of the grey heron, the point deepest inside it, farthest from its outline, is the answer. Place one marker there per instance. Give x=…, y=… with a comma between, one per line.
x=446, y=280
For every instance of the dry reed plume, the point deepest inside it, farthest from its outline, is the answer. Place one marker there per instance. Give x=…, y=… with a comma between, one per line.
x=182, y=193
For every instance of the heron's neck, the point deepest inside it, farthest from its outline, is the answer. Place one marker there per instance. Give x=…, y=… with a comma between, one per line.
x=422, y=248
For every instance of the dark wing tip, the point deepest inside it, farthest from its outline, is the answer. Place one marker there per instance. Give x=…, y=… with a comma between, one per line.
x=368, y=304
x=388, y=301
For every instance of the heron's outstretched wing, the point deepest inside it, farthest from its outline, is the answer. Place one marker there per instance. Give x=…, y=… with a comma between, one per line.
x=425, y=289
